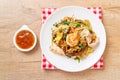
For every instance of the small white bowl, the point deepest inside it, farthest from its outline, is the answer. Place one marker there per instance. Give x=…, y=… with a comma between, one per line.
x=24, y=27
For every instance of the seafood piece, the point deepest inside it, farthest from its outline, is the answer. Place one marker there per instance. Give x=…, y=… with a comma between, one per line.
x=90, y=43
x=73, y=39
x=84, y=33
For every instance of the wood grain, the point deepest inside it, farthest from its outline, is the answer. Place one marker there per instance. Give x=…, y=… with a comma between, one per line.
x=15, y=65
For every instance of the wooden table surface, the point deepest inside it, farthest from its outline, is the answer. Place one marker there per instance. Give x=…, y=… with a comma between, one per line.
x=16, y=65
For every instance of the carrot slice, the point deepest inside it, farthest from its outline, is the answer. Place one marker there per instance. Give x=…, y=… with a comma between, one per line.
x=72, y=29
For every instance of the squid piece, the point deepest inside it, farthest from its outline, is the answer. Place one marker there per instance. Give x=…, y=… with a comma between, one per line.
x=85, y=33
x=89, y=41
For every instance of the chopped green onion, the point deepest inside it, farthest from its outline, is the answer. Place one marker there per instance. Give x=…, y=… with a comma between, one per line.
x=82, y=46
x=89, y=28
x=65, y=22
x=76, y=24
x=77, y=58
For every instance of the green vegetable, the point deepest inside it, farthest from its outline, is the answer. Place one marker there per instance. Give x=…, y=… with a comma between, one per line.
x=64, y=36
x=82, y=46
x=65, y=22
x=77, y=58
x=76, y=24
x=71, y=23
x=89, y=28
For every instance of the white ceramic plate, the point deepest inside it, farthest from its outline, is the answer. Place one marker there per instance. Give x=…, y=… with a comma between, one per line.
x=62, y=62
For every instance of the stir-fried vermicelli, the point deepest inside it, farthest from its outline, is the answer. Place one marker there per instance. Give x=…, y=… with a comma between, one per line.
x=73, y=38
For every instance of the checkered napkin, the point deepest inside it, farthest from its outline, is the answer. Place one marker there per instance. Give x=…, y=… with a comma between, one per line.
x=45, y=64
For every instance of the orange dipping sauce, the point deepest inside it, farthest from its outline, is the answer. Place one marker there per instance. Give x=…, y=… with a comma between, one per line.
x=25, y=39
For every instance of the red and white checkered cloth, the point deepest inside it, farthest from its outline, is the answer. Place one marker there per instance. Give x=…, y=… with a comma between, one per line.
x=45, y=13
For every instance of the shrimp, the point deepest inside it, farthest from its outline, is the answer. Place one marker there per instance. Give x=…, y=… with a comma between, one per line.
x=73, y=39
